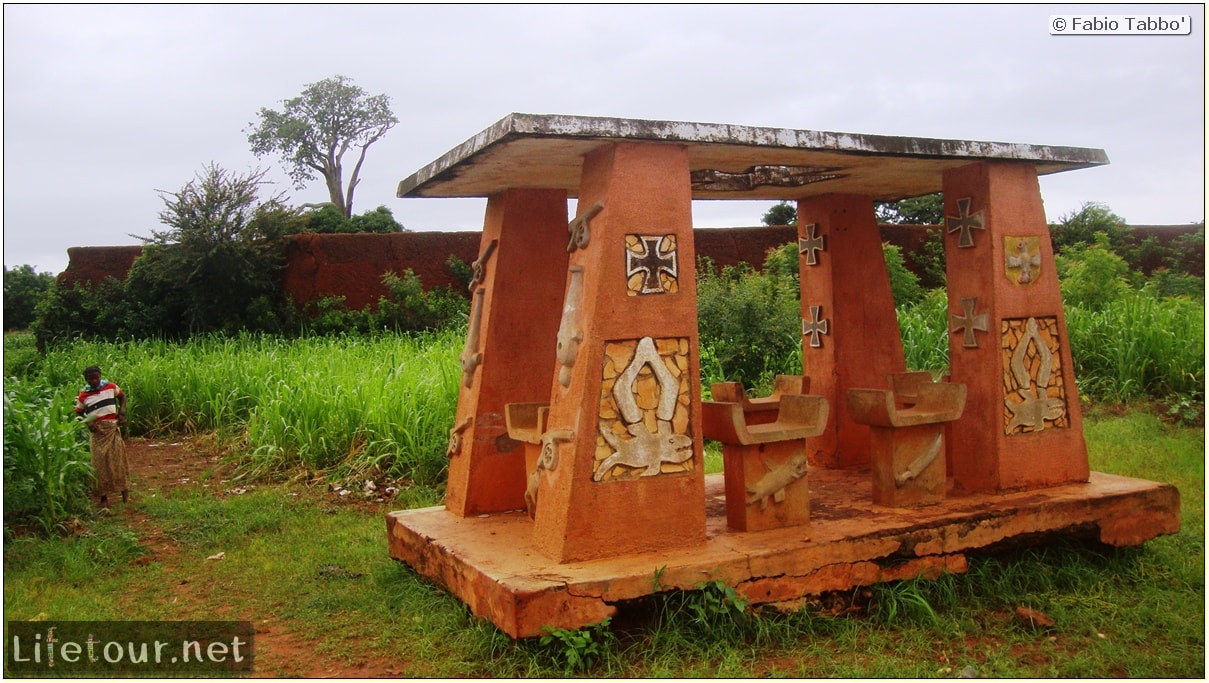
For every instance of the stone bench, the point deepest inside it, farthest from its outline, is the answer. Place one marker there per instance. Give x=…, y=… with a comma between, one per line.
x=764, y=461
x=526, y=422
x=760, y=409
x=907, y=436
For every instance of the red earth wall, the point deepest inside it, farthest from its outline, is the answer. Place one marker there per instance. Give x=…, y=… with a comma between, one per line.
x=352, y=265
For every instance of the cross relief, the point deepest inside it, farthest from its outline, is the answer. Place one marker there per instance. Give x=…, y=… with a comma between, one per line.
x=815, y=326
x=810, y=245
x=965, y=221
x=658, y=256
x=968, y=322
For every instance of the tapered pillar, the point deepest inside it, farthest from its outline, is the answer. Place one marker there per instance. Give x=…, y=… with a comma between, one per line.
x=514, y=317
x=626, y=387
x=850, y=335
x=1008, y=342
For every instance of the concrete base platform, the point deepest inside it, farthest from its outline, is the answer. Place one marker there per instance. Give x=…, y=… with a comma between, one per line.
x=490, y=564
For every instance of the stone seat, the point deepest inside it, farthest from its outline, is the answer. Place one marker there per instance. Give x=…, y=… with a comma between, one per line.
x=799, y=416
x=765, y=460
x=526, y=421
x=931, y=403
x=733, y=392
x=907, y=437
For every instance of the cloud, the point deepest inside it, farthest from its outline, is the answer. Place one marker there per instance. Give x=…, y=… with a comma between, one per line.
x=105, y=104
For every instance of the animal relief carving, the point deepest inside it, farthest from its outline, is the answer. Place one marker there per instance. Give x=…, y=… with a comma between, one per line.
x=643, y=420
x=644, y=450
x=773, y=484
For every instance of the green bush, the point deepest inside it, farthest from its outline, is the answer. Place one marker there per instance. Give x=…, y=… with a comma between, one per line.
x=1079, y=228
x=904, y=285
x=407, y=307
x=751, y=321
x=82, y=310
x=1164, y=283
x=23, y=289
x=328, y=219
x=47, y=473
x=1092, y=276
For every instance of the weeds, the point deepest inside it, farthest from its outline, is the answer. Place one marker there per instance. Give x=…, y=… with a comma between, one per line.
x=581, y=649
x=47, y=473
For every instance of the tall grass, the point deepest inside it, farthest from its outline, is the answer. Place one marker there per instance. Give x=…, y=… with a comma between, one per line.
x=385, y=402
x=47, y=474
x=1139, y=345
x=349, y=403
x=924, y=327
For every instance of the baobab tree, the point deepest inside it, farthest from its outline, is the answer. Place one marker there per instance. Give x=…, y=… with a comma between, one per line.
x=314, y=131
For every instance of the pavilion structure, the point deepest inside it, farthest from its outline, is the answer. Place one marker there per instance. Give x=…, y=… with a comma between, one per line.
x=576, y=469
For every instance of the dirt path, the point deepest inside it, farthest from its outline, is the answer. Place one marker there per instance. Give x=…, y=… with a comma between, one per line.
x=161, y=465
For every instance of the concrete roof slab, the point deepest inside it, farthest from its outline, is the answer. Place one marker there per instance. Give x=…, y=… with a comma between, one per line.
x=727, y=161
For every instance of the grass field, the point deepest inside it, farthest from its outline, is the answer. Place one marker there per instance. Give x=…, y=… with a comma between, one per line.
x=310, y=570
x=306, y=561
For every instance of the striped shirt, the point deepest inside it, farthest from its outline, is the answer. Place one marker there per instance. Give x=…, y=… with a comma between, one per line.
x=102, y=401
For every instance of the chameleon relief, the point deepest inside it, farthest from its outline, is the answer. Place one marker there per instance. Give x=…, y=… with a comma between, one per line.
x=645, y=450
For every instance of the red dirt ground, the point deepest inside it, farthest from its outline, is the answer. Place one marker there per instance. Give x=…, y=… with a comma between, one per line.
x=160, y=465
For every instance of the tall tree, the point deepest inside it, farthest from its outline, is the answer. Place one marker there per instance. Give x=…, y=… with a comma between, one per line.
x=313, y=132
x=781, y=213
x=926, y=209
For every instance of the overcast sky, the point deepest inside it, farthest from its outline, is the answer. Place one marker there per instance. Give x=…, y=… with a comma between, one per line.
x=103, y=105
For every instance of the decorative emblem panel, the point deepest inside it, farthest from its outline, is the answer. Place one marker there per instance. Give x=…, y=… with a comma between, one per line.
x=1034, y=393
x=651, y=265
x=643, y=426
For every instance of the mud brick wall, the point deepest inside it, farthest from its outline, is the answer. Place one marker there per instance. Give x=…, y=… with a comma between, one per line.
x=352, y=265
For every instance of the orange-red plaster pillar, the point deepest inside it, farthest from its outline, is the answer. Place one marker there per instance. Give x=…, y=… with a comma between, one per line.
x=627, y=471
x=510, y=341
x=850, y=335
x=1022, y=426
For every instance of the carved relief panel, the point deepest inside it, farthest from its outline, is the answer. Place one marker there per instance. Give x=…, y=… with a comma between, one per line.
x=1022, y=259
x=1034, y=392
x=651, y=265
x=643, y=425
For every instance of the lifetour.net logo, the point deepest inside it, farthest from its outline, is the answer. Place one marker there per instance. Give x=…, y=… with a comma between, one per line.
x=128, y=648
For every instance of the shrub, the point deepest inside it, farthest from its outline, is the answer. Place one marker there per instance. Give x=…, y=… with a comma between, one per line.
x=1079, y=228
x=406, y=307
x=1165, y=283
x=904, y=285
x=81, y=310
x=47, y=474
x=929, y=259
x=1092, y=276
x=328, y=219
x=23, y=289
x=219, y=255
x=752, y=322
